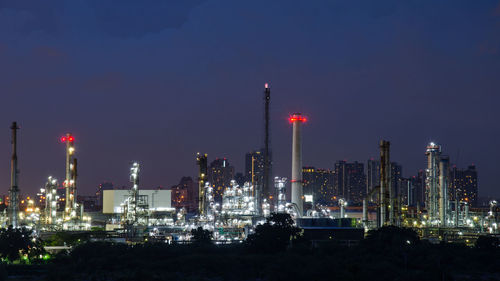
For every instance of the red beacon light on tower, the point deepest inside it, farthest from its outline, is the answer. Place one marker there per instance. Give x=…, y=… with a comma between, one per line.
x=70, y=139
x=297, y=118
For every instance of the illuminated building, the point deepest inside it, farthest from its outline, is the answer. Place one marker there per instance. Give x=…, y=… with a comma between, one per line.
x=396, y=177
x=254, y=168
x=319, y=183
x=372, y=174
x=406, y=191
x=103, y=186
x=464, y=185
x=240, y=179
x=185, y=194
x=220, y=174
x=418, y=183
x=350, y=181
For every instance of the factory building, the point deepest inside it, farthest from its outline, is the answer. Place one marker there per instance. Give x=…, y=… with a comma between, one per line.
x=157, y=200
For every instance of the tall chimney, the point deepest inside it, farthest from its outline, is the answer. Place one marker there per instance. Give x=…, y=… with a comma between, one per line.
x=266, y=185
x=201, y=161
x=385, y=182
x=14, y=189
x=297, y=119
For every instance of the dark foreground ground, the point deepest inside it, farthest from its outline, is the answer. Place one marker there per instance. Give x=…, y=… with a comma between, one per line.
x=276, y=251
x=104, y=261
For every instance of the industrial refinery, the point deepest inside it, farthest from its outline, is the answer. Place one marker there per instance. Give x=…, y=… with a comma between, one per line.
x=231, y=209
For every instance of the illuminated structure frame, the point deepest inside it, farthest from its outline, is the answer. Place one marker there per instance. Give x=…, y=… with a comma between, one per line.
x=51, y=199
x=70, y=181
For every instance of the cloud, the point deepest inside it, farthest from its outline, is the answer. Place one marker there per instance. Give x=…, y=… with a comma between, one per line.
x=47, y=51
x=119, y=18
x=131, y=18
x=33, y=15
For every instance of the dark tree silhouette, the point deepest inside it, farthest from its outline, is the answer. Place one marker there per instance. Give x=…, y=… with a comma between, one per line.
x=487, y=242
x=274, y=235
x=391, y=237
x=201, y=236
x=15, y=243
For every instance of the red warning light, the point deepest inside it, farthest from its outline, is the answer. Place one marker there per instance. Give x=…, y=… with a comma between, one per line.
x=71, y=138
x=63, y=139
x=297, y=118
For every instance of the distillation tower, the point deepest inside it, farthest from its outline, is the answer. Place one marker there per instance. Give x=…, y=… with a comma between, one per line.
x=279, y=184
x=297, y=119
x=201, y=160
x=71, y=174
x=444, y=173
x=385, y=184
x=132, y=201
x=51, y=199
x=267, y=181
x=433, y=153
x=14, y=189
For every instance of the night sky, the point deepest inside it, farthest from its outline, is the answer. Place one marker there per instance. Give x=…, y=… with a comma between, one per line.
x=157, y=81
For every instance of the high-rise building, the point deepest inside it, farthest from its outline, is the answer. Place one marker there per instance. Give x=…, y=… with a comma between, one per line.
x=464, y=185
x=418, y=183
x=240, y=179
x=319, y=183
x=372, y=174
x=406, y=191
x=220, y=174
x=254, y=167
x=185, y=194
x=396, y=177
x=103, y=186
x=350, y=181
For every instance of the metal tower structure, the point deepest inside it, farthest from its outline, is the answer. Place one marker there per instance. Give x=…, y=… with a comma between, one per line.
x=131, y=215
x=51, y=199
x=444, y=174
x=433, y=153
x=385, y=184
x=279, y=184
x=267, y=180
x=201, y=161
x=14, y=189
x=70, y=181
x=297, y=119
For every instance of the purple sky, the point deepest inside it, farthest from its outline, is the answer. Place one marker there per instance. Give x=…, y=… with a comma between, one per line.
x=157, y=81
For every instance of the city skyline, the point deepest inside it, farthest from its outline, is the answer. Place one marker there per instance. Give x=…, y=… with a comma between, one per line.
x=195, y=84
